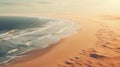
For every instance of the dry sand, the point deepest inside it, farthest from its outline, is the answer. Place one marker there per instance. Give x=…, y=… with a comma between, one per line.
x=96, y=44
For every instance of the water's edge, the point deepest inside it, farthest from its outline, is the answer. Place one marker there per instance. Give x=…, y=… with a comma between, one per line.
x=53, y=37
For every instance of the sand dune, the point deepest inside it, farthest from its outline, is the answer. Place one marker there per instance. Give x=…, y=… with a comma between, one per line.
x=106, y=53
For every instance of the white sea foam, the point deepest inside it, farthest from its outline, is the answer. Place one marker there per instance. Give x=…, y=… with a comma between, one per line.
x=12, y=51
x=23, y=34
x=7, y=33
x=30, y=39
x=61, y=30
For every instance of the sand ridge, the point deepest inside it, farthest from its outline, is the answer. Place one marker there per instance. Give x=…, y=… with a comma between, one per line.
x=106, y=53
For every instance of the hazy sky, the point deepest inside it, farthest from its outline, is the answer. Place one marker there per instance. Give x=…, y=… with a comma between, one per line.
x=58, y=6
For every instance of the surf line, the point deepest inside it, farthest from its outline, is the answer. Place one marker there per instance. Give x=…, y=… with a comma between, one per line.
x=28, y=43
x=61, y=30
x=26, y=33
x=7, y=33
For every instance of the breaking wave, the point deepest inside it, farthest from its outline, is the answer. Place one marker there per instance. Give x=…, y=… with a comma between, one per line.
x=19, y=35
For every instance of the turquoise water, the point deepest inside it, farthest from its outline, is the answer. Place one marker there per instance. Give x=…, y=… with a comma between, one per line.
x=19, y=35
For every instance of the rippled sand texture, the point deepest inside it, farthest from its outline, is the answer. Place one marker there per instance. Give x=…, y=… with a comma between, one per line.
x=107, y=48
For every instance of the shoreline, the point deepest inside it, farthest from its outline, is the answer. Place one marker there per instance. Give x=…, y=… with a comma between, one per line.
x=30, y=55
x=41, y=51
x=34, y=54
x=61, y=49
x=82, y=49
x=26, y=56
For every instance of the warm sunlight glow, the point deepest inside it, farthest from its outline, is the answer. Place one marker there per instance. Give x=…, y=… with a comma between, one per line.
x=53, y=6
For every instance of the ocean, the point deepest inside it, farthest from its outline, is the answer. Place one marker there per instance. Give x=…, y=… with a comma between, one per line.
x=19, y=34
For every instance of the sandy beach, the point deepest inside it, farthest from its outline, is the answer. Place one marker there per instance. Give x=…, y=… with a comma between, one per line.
x=96, y=44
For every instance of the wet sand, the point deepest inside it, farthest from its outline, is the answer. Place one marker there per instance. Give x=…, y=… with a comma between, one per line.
x=96, y=44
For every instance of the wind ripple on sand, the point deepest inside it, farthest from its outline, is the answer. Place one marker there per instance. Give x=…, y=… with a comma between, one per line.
x=106, y=53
